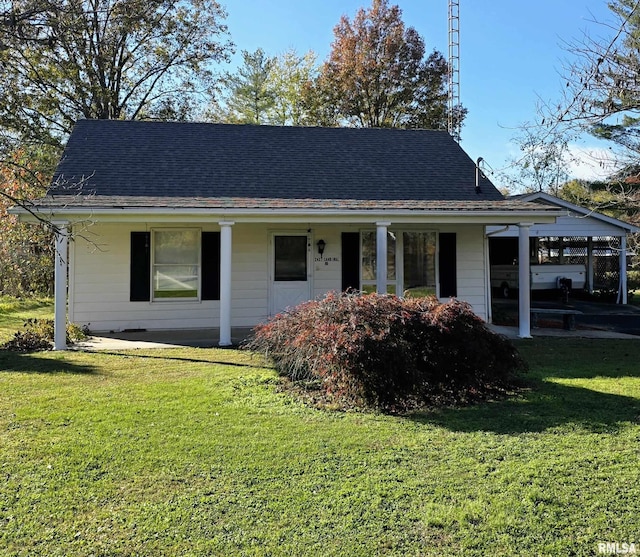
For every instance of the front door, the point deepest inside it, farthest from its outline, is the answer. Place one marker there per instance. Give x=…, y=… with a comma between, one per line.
x=290, y=271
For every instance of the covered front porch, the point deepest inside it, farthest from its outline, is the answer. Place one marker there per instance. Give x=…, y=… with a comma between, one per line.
x=247, y=264
x=209, y=338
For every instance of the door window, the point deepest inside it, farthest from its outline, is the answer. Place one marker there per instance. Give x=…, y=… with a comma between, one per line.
x=290, y=258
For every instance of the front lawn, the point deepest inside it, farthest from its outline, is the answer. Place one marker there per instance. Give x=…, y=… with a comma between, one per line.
x=13, y=313
x=199, y=452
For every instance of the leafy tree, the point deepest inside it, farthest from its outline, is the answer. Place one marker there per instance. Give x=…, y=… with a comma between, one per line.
x=618, y=197
x=602, y=89
x=602, y=96
x=16, y=19
x=61, y=60
x=268, y=90
x=291, y=77
x=319, y=101
x=248, y=95
x=541, y=163
x=118, y=59
x=26, y=251
x=377, y=75
x=592, y=194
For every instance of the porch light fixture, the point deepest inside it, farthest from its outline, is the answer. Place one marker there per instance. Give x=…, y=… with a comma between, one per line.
x=321, y=245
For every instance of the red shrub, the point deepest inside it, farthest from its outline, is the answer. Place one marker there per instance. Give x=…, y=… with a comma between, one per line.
x=384, y=352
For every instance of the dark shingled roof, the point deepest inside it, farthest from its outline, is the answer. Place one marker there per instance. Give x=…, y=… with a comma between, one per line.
x=131, y=163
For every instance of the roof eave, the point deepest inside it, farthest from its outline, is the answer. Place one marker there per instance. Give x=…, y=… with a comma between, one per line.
x=127, y=214
x=584, y=211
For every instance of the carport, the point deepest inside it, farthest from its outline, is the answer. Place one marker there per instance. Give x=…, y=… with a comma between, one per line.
x=582, y=236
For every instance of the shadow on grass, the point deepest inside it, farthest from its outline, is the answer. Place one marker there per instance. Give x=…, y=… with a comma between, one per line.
x=546, y=402
x=31, y=363
x=133, y=354
x=581, y=358
x=544, y=405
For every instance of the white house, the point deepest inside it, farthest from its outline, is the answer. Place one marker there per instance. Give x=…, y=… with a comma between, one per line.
x=187, y=225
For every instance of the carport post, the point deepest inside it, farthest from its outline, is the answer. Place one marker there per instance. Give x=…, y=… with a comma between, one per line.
x=590, y=264
x=524, y=287
x=225, y=283
x=60, y=287
x=622, y=297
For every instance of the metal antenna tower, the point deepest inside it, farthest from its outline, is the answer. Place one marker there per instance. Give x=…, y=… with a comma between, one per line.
x=454, y=68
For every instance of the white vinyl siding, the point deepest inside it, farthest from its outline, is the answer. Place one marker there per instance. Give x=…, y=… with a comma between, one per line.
x=99, y=288
x=250, y=279
x=327, y=270
x=99, y=277
x=470, y=264
x=567, y=226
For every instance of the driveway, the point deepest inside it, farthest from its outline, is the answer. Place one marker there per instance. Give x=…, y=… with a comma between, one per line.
x=614, y=317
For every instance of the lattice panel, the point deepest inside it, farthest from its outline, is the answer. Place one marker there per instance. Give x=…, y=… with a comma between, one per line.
x=573, y=250
x=606, y=263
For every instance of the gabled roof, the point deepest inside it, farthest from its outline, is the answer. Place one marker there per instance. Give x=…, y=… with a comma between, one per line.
x=194, y=164
x=572, y=207
x=132, y=170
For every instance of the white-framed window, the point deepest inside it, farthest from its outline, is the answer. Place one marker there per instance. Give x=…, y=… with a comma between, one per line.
x=411, y=262
x=175, y=264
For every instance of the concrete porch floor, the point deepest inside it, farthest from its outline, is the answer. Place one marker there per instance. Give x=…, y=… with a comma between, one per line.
x=207, y=338
x=201, y=338
x=512, y=333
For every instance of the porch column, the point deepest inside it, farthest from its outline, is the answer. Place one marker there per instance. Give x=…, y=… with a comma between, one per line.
x=590, y=264
x=622, y=293
x=524, y=286
x=381, y=257
x=60, y=288
x=225, y=283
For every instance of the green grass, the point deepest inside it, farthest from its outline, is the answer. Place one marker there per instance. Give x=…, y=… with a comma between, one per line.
x=13, y=313
x=198, y=452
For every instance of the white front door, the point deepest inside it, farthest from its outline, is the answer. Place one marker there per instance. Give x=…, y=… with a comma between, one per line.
x=290, y=271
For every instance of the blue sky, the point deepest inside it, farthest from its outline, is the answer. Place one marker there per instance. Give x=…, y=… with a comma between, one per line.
x=511, y=53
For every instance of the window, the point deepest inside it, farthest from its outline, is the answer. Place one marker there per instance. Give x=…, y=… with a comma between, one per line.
x=176, y=264
x=369, y=262
x=419, y=268
x=411, y=263
x=141, y=268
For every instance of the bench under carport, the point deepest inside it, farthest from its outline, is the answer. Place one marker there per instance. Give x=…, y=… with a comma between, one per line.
x=568, y=316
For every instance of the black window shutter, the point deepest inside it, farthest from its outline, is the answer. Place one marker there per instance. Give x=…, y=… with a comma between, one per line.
x=140, y=280
x=210, y=261
x=447, y=265
x=350, y=260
